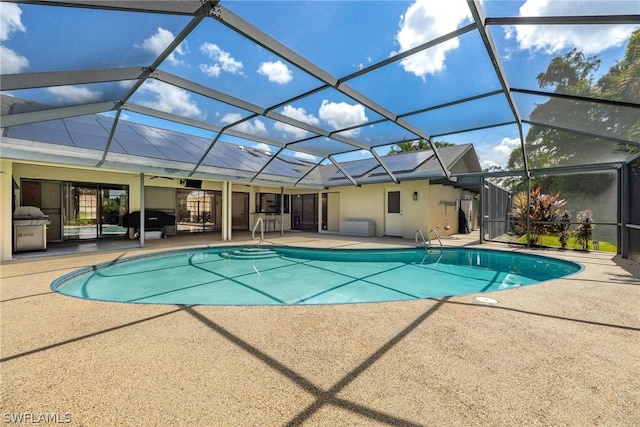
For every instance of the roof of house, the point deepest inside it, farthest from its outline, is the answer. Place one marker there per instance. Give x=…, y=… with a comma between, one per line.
x=134, y=146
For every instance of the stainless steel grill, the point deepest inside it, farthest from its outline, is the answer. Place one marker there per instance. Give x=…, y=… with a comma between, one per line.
x=29, y=229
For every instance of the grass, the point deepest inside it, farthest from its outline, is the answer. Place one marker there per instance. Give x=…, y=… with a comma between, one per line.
x=551, y=240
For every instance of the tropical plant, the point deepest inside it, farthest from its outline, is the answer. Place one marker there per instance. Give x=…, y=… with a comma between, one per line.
x=584, y=231
x=542, y=211
x=563, y=229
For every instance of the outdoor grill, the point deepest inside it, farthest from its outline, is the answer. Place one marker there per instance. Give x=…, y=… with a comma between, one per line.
x=29, y=229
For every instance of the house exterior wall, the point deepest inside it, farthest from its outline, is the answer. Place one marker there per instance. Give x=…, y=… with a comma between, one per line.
x=366, y=202
x=441, y=214
x=425, y=213
x=159, y=198
x=31, y=171
x=333, y=212
x=344, y=203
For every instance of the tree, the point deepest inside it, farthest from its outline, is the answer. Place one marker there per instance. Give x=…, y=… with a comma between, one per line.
x=622, y=83
x=573, y=74
x=569, y=74
x=417, y=145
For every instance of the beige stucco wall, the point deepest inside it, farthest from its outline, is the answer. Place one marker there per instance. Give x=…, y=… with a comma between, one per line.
x=350, y=202
x=159, y=198
x=37, y=171
x=425, y=213
x=333, y=212
x=441, y=214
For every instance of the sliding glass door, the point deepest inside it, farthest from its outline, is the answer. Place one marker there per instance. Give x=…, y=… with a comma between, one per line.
x=199, y=211
x=93, y=211
x=304, y=212
x=114, y=204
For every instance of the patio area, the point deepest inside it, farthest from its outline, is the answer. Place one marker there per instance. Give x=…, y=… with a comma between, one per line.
x=562, y=352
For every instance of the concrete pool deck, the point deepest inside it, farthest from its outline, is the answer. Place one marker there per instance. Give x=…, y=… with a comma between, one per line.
x=564, y=352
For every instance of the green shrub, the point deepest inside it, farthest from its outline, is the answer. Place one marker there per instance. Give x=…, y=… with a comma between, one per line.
x=540, y=208
x=584, y=231
x=563, y=229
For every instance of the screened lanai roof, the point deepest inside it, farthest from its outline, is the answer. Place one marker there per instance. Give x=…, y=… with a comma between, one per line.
x=274, y=91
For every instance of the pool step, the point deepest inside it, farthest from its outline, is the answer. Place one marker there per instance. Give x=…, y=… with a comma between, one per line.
x=250, y=253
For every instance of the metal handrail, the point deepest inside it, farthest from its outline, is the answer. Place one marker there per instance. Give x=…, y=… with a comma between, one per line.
x=427, y=241
x=433, y=230
x=253, y=232
x=427, y=244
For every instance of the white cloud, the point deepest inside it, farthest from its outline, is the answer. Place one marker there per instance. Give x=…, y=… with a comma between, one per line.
x=252, y=127
x=10, y=22
x=590, y=39
x=222, y=61
x=262, y=147
x=230, y=118
x=340, y=115
x=276, y=72
x=158, y=42
x=12, y=63
x=306, y=157
x=424, y=21
x=126, y=84
x=497, y=155
x=211, y=70
x=362, y=65
x=299, y=114
x=171, y=99
x=293, y=131
x=75, y=94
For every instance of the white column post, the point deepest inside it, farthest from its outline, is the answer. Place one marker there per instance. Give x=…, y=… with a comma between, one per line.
x=226, y=210
x=319, y=212
x=229, y=209
x=142, y=214
x=6, y=211
x=282, y=211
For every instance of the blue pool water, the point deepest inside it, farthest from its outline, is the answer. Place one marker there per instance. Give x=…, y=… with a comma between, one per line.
x=260, y=275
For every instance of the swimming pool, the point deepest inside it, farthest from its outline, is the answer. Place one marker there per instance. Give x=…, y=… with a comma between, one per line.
x=275, y=275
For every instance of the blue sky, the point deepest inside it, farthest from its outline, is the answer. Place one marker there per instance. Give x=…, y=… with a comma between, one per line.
x=341, y=37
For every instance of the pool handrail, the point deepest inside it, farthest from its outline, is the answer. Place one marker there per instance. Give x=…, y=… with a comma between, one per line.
x=433, y=230
x=260, y=222
x=427, y=241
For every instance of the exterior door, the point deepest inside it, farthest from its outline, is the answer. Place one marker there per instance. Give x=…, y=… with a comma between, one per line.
x=93, y=211
x=199, y=211
x=114, y=203
x=239, y=211
x=393, y=213
x=304, y=212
